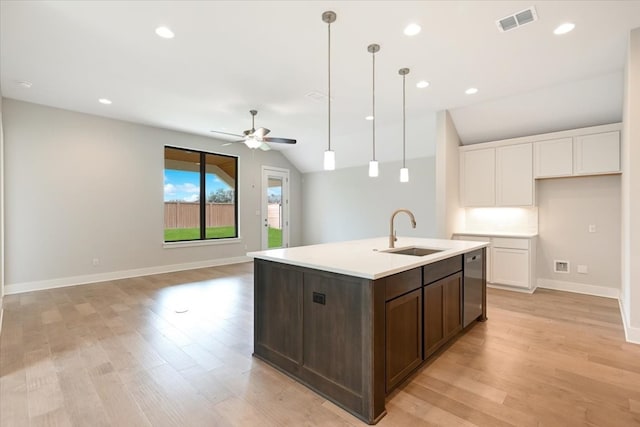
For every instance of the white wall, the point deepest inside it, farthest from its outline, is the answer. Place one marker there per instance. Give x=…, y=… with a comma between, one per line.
x=566, y=208
x=347, y=204
x=81, y=187
x=1, y=213
x=450, y=216
x=630, y=296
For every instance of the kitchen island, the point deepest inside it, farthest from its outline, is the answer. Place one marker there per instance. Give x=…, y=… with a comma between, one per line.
x=352, y=320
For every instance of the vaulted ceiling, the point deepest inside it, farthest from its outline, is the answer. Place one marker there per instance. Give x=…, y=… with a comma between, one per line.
x=228, y=57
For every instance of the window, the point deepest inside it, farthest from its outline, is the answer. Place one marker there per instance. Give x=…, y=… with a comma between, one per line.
x=200, y=195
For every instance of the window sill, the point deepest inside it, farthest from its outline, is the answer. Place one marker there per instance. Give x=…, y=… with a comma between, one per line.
x=189, y=244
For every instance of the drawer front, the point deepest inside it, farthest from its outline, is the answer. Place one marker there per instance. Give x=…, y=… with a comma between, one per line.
x=401, y=283
x=510, y=243
x=440, y=269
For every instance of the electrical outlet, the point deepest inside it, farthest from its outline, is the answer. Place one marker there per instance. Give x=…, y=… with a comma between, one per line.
x=592, y=228
x=96, y=261
x=583, y=269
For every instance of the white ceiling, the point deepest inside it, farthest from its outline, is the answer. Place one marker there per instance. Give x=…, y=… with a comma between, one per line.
x=231, y=56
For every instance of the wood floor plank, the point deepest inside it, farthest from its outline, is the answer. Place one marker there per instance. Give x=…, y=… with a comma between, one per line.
x=117, y=353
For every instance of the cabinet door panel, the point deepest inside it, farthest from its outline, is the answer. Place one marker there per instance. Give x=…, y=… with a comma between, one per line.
x=451, y=305
x=479, y=177
x=433, y=321
x=511, y=267
x=597, y=153
x=404, y=336
x=554, y=158
x=514, y=175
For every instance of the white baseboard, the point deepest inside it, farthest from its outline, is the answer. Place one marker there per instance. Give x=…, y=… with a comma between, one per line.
x=510, y=288
x=579, y=288
x=17, y=288
x=631, y=334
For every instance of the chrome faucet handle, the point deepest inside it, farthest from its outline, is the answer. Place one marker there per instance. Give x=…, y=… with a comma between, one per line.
x=395, y=235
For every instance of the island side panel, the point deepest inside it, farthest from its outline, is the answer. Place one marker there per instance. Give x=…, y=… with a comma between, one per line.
x=333, y=330
x=341, y=333
x=278, y=314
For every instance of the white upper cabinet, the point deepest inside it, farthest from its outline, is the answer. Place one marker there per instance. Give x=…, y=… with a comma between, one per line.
x=501, y=176
x=503, y=173
x=478, y=177
x=514, y=175
x=553, y=158
x=597, y=153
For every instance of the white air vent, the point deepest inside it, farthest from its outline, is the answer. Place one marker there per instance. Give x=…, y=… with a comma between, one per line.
x=561, y=266
x=517, y=19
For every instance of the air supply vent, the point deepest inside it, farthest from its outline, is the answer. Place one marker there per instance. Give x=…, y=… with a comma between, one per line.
x=561, y=266
x=517, y=20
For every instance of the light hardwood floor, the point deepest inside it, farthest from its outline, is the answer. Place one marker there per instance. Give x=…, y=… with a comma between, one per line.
x=117, y=353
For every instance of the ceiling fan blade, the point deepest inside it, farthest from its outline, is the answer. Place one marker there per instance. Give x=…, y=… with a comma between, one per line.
x=264, y=147
x=280, y=140
x=261, y=132
x=227, y=133
x=231, y=142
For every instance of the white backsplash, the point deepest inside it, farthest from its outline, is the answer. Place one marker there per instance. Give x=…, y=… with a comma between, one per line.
x=501, y=220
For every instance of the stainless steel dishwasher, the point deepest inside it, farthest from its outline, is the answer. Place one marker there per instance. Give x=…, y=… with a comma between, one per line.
x=474, y=277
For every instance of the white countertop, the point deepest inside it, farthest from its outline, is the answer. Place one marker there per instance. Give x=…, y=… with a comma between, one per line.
x=364, y=258
x=526, y=235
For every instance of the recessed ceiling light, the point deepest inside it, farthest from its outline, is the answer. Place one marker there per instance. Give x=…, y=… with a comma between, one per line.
x=564, y=28
x=471, y=91
x=412, y=29
x=104, y=101
x=165, y=33
x=369, y=118
x=25, y=84
x=422, y=84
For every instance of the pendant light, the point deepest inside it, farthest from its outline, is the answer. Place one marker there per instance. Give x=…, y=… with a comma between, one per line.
x=404, y=172
x=373, y=164
x=329, y=155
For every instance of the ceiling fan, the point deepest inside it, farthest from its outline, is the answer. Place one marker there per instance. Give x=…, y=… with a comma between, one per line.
x=256, y=138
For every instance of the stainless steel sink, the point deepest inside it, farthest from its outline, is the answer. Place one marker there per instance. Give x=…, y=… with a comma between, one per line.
x=414, y=251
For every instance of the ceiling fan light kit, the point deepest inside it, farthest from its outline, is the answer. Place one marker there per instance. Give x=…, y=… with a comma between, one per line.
x=256, y=138
x=329, y=155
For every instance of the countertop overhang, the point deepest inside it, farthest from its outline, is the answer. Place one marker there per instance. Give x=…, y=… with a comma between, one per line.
x=524, y=235
x=366, y=258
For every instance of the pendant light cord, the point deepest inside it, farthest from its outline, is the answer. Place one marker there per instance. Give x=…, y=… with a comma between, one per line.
x=329, y=85
x=373, y=112
x=403, y=120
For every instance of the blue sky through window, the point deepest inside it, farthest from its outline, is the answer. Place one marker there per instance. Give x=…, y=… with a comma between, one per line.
x=184, y=186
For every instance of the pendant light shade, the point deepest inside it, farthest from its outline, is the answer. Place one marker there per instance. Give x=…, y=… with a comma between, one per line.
x=404, y=172
x=373, y=168
x=373, y=164
x=404, y=175
x=329, y=160
x=329, y=155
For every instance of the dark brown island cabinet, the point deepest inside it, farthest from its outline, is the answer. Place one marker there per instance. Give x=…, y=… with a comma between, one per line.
x=354, y=340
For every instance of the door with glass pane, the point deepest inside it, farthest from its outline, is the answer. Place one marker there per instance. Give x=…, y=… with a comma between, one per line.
x=275, y=208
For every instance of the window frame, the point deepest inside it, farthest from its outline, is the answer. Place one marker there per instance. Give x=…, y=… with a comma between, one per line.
x=203, y=239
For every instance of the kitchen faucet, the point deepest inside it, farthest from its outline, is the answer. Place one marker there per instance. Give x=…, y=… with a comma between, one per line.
x=392, y=233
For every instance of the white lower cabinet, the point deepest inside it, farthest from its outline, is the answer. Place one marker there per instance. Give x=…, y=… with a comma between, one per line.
x=511, y=267
x=510, y=261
